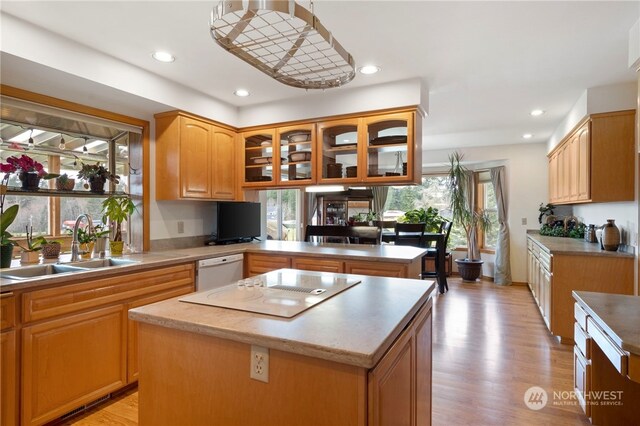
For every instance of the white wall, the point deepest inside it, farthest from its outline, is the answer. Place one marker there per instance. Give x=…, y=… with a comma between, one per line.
x=615, y=97
x=625, y=215
x=527, y=187
x=335, y=102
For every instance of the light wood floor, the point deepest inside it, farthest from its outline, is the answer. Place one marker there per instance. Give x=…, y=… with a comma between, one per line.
x=490, y=345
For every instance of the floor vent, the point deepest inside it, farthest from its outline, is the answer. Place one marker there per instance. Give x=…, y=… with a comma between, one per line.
x=84, y=407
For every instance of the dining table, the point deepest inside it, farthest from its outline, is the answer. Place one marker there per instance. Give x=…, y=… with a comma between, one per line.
x=389, y=236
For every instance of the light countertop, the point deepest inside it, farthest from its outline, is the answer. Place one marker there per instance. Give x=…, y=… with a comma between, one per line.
x=568, y=246
x=355, y=327
x=618, y=315
x=388, y=253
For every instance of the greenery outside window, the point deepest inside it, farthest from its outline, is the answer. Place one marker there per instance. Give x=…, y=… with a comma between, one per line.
x=282, y=214
x=486, y=200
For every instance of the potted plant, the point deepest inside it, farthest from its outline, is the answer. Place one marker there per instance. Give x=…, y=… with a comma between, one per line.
x=431, y=218
x=29, y=171
x=115, y=210
x=470, y=220
x=50, y=249
x=30, y=253
x=65, y=183
x=6, y=245
x=87, y=239
x=96, y=175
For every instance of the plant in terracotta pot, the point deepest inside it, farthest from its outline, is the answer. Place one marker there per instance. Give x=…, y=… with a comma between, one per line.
x=464, y=215
x=29, y=171
x=116, y=209
x=65, y=183
x=30, y=252
x=6, y=245
x=96, y=176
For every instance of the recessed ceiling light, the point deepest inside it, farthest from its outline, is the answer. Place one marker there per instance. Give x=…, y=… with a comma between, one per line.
x=537, y=112
x=163, y=56
x=369, y=69
x=527, y=136
x=241, y=92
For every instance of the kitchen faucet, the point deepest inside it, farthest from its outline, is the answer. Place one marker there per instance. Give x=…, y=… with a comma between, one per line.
x=75, y=256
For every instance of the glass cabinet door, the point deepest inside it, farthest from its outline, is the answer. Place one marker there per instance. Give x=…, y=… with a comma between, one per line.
x=338, y=146
x=297, y=154
x=388, y=156
x=260, y=165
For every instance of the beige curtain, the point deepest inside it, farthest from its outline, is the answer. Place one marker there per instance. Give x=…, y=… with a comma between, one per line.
x=502, y=272
x=379, y=199
x=473, y=251
x=312, y=206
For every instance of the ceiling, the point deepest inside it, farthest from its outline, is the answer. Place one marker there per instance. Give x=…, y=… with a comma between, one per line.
x=485, y=65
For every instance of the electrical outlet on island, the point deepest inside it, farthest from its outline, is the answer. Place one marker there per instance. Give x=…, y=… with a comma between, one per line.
x=259, y=363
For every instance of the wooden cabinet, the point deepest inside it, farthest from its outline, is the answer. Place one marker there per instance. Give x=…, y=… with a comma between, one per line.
x=8, y=360
x=260, y=263
x=195, y=158
x=279, y=157
x=401, y=375
x=377, y=149
x=71, y=361
x=76, y=341
x=595, y=162
x=552, y=278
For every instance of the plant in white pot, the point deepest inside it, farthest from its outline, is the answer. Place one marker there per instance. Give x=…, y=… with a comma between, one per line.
x=115, y=210
x=30, y=252
x=471, y=220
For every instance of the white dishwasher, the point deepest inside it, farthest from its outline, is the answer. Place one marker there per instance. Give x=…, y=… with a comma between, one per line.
x=218, y=271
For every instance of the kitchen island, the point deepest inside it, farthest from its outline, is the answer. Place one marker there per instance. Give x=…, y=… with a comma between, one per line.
x=360, y=357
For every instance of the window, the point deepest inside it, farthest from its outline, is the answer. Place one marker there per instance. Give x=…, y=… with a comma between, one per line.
x=283, y=213
x=487, y=201
x=433, y=192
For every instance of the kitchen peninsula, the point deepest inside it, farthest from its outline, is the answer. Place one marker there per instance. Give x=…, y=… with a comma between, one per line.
x=360, y=357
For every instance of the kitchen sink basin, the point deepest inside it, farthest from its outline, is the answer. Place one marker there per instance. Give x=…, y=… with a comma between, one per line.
x=40, y=270
x=104, y=263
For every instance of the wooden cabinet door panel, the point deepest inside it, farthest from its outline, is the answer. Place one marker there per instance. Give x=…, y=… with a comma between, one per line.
x=257, y=264
x=584, y=164
x=581, y=380
x=423, y=344
x=377, y=269
x=315, y=264
x=7, y=310
x=132, y=326
x=8, y=388
x=391, y=385
x=195, y=158
x=223, y=164
x=553, y=178
x=72, y=361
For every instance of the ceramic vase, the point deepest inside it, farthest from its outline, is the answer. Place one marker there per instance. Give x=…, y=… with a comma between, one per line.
x=116, y=247
x=27, y=257
x=610, y=236
x=30, y=181
x=51, y=250
x=96, y=185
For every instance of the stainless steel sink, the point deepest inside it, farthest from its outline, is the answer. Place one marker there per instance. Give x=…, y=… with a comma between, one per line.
x=40, y=270
x=104, y=263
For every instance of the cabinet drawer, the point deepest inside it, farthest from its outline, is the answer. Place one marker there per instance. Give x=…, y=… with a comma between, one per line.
x=545, y=260
x=376, y=269
x=580, y=316
x=582, y=340
x=314, y=264
x=582, y=380
x=83, y=294
x=7, y=310
x=617, y=356
x=257, y=264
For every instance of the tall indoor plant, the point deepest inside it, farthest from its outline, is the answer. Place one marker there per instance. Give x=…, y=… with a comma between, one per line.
x=464, y=215
x=115, y=209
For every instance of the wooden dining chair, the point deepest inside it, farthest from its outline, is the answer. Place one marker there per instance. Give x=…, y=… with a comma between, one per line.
x=409, y=234
x=432, y=252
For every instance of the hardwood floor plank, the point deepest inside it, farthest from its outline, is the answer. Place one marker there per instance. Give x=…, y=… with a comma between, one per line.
x=490, y=345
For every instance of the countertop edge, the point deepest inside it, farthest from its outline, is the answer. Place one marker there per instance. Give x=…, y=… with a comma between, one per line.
x=632, y=349
x=579, y=250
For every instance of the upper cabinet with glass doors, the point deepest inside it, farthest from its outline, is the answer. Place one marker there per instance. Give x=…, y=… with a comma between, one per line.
x=279, y=157
x=379, y=149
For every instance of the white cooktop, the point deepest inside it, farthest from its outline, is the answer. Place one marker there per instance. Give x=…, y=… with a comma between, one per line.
x=283, y=293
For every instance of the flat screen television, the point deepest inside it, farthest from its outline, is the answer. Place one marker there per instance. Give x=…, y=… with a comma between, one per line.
x=237, y=222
